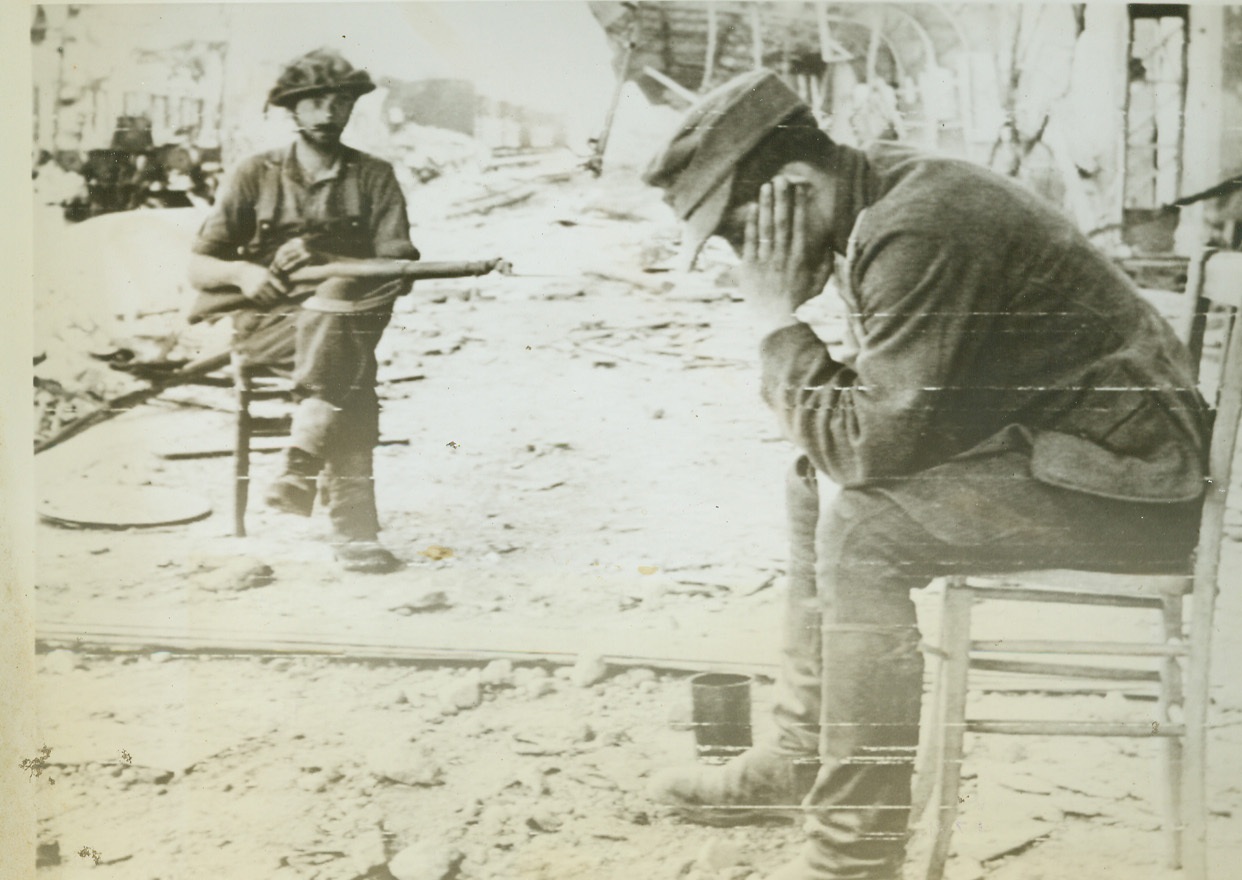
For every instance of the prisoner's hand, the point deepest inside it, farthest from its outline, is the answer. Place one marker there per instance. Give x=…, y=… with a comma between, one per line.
x=261, y=286
x=292, y=255
x=779, y=272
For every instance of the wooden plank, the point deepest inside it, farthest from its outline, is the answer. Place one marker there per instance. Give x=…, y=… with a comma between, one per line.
x=1022, y=594
x=1046, y=646
x=453, y=644
x=1076, y=728
x=1069, y=670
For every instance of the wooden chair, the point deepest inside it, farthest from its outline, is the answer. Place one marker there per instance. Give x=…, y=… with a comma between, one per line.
x=1214, y=294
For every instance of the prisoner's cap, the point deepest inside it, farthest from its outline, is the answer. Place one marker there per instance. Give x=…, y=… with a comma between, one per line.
x=696, y=167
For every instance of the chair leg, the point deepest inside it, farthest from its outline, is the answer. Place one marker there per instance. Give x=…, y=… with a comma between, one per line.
x=954, y=672
x=1171, y=700
x=1194, y=771
x=926, y=763
x=241, y=448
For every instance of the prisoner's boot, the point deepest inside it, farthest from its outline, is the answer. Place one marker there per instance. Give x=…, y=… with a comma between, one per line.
x=761, y=784
x=294, y=490
x=368, y=557
x=809, y=866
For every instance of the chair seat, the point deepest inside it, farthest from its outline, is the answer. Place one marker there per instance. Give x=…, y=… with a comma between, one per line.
x=1058, y=581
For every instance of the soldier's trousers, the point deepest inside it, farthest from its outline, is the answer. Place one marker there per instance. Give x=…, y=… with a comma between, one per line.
x=337, y=417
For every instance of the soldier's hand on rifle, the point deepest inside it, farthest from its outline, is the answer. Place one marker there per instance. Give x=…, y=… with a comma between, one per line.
x=292, y=255
x=779, y=271
x=261, y=286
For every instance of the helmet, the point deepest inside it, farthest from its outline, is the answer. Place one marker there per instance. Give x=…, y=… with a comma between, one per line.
x=322, y=70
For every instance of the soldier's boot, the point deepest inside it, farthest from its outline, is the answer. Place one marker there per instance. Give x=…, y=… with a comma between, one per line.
x=350, y=491
x=294, y=490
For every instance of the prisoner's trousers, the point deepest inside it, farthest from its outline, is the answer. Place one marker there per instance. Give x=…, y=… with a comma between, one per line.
x=851, y=679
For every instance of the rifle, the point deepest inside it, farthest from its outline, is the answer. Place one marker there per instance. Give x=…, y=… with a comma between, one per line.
x=218, y=302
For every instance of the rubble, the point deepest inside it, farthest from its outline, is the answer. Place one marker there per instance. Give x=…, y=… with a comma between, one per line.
x=425, y=860
x=417, y=768
x=590, y=669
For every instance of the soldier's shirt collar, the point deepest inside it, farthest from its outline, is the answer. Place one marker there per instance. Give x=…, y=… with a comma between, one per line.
x=293, y=168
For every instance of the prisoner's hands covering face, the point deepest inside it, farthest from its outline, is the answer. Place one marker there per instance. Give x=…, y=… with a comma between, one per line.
x=780, y=270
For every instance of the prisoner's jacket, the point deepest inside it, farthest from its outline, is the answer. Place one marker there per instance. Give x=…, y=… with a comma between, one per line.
x=984, y=322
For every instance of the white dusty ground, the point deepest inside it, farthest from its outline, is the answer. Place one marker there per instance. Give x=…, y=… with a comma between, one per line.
x=586, y=470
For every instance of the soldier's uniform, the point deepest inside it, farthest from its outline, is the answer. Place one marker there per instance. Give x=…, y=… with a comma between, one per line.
x=353, y=209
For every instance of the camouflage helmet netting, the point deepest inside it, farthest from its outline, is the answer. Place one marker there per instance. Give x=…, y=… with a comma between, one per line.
x=322, y=70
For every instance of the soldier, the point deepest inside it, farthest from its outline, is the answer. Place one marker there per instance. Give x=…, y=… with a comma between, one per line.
x=285, y=209
x=1005, y=400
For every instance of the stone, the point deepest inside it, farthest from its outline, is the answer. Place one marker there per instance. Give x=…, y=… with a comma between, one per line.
x=497, y=674
x=996, y=839
x=524, y=675
x=138, y=775
x=417, y=767
x=544, y=819
x=589, y=670
x=425, y=860
x=464, y=694
x=640, y=674
x=61, y=661
x=431, y=600
x=719, y=855
x=233, y=575
x=315, y=783
x=48, y=854
x=541, y=687
x=1024, y=782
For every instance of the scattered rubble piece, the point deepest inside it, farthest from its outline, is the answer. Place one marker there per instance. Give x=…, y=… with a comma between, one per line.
x=405, y=766
x=464, y=694
x=998, y=837
x=135, y=774
x=497, y=674
x=525, y=744
x=1078, y=805
x=231, y=575
x=545, y=819
x=1026, y=783
x=430, y=600
x=590, y=670
x=47, y=854
x=719, y=855
x=962, y=867
x=63, y=661
x=436, y=552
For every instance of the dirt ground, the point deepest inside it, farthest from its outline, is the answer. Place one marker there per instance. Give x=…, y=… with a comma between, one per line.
x=584, y=482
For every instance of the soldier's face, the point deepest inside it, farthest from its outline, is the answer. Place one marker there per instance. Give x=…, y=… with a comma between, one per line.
x=322, y=118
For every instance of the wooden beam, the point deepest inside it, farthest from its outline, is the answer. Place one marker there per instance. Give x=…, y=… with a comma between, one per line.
x=709, y=62
x=1043, y=646
x=671, y=84
x=1077, y=728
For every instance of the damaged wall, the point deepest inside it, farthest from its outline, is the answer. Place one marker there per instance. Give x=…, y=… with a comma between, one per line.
x=1041, y=92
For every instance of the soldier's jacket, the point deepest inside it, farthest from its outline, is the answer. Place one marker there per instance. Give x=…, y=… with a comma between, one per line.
x=985, y=321
x=354, y=209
